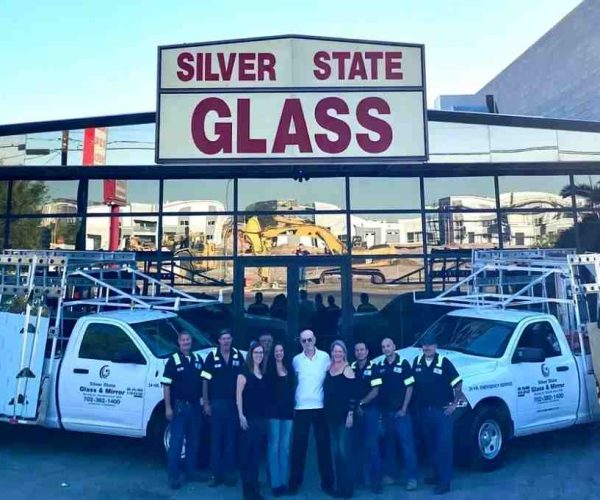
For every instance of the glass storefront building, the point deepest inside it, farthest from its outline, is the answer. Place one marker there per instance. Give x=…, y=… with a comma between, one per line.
x=385, y=230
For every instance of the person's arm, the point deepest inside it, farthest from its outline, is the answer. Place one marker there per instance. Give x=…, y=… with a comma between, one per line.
x=207, y=375
x=239, y=399
x=166, y=381
x=168, y=407
x=349, y=374
x=456, y=383
x=409, y=381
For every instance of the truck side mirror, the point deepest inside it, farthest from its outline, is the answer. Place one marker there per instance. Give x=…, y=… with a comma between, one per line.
x=529, y=355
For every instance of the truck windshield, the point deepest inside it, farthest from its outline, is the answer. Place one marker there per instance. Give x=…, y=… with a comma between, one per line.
x=160, y=335
x=476, y=336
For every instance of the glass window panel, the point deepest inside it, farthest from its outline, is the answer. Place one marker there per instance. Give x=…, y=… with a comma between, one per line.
x=578, y=146
x=523, y=144
x=48, y=233
x=544, y=191
x=587, y=191
x=534, y=229
x=314, y=234
x=136, y=233
x=458, y=142
x=198, y=236
x=3, y=196
x=287, y=194
x=462, y=230
x=588, y=227
x=382, y=295
x=44, y=197
x=460, y=192
x=130, y=145
x=385, y=233
x=141, y=195
x=369, y=193
x=12, y=150
x=196, y=195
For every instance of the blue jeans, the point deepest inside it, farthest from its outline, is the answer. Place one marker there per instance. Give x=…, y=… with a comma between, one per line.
x=400, y=428
x=186, y=423
x=341, y=450
x=224, y=426
x=280, y=439
x=438, y=434
x=365, y=446
x=251, y=448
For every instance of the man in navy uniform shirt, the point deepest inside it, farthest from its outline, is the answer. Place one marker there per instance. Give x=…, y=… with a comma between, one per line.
x=395, y=395
x=365, y=431
x=182, y=388
x=438, y=389
x=222, y=368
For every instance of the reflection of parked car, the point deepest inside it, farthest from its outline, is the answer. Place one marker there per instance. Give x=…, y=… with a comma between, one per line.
x=400, y=319
x=213, y=317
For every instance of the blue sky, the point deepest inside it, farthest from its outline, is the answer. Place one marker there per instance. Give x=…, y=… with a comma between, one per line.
x=63, y=59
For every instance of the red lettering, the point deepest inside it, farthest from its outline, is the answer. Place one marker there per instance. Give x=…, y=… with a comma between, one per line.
x=335, y=125
x=374, y=57
x=323, y=71
x=357, y=68
x=226, y=69
x=266, y=66
x=245, y=144
x=393, y=65
x=246, y=66
x=341, y=57
x=222, y=130
x=209, y=76
x=184, y=61
x=292, y=114
x=374, y=124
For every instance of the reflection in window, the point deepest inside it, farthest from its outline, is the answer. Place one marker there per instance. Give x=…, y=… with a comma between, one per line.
x=140, y=195
x=449, y=229
x=136, y=233
x=385, y=233
x=535, y=229
x=520, y=144
x=384, y=193
x=48, y=233
x=44, y=197
x=460, y=192
x=195, y=195
x=287, y=194
x=544, y=191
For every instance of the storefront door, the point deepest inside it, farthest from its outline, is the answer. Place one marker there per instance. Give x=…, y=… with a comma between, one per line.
x=285, y=295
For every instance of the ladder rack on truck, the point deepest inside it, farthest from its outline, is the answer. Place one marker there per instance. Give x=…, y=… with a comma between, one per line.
x=40, y=290
x=554, y=281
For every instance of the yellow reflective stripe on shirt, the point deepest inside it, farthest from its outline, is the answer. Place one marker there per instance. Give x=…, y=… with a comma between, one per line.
x=456, y=381
x=376, y=381
x=177, y=359
x=166, y=380
x=439, y=361
x=206, y=375
x=409, y=381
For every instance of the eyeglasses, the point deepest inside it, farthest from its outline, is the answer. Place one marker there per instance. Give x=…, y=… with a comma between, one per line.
x=306, y=341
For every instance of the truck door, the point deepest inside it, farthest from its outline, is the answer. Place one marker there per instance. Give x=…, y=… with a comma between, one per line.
x=102, y=382
x=547, y=391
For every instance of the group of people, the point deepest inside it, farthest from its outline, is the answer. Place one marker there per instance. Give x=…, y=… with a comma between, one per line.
x=268, y=402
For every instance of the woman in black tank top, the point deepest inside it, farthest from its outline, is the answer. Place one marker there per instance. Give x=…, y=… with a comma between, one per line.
x=339, y=402
x=251, y=404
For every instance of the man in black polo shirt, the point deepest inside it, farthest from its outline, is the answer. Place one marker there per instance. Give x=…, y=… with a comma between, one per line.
x=365, y=431
x=438, y=390
x=222, y=368
x=395, y=395
x=182, y=388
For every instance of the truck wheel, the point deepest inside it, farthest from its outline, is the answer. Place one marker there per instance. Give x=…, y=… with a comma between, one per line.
x=489, y=434
x=160, y=435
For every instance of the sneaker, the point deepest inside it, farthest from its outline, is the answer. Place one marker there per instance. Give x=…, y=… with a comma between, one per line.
x=411, y=485
x=440, y=490
x=214, y=482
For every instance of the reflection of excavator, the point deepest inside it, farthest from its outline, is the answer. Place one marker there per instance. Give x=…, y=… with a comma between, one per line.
x=189, y=248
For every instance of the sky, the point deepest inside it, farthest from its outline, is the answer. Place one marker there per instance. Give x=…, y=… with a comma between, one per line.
x=69, y=58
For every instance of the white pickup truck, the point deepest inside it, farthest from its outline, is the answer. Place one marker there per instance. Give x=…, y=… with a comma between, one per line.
x=524, y=371
x=79, y=370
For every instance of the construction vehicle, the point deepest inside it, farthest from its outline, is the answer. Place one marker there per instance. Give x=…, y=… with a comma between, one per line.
x=85, y=340
x=524, y=337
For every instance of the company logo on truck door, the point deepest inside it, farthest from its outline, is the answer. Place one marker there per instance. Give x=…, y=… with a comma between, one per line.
x=291, y=97
x=105, y=371
x=545, y=370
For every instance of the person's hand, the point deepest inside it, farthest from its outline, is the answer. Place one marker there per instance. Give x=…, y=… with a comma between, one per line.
x=450, y=409
x=349, y=420
x=207, y=411
x=169, y=413
x=401, y=413
x=244, y=423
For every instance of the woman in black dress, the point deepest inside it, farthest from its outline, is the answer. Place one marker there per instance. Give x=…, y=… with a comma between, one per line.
x=339, y=402
x=251, y=404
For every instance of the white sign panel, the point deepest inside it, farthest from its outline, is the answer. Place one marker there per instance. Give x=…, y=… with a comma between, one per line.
x=285, y=98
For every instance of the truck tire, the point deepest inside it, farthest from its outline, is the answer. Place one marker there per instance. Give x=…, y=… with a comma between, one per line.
x=488, y=438
x=159, y=435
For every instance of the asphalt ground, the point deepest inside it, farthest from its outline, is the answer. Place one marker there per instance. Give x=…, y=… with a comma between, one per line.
x=38, y=464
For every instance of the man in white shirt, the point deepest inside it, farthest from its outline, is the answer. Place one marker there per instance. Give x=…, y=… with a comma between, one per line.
x=311, y=367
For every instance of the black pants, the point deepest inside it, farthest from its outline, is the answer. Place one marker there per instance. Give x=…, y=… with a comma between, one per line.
x=303, y=419
x=251, y=451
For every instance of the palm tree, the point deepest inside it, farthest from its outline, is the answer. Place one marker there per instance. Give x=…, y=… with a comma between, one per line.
x=588, y=224
x=589, y=192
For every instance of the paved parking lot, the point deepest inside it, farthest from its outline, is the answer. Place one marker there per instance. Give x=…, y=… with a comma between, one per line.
x=39, y=464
